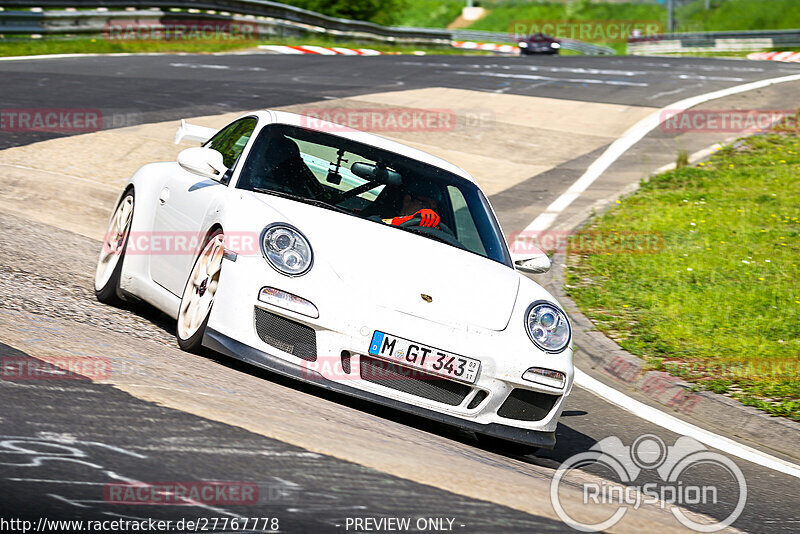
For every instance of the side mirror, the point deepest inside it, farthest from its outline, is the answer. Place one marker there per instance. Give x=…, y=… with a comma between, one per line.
x=536, y=264
x=203, y=161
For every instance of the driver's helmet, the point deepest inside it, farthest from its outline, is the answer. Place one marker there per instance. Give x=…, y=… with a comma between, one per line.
x=426, y=189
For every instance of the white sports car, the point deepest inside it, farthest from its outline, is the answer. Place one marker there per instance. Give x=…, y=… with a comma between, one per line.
x=348, y=260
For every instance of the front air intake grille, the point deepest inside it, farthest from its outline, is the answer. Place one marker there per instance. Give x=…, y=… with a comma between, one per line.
x=346, y=362
x=526, y=405
x=476, y=400
x=412, y=381
x=286, y=335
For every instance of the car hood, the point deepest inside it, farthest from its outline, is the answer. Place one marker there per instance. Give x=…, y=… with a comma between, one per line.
x=397, y=269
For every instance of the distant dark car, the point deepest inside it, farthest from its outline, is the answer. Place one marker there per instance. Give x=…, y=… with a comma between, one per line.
x=538, y=43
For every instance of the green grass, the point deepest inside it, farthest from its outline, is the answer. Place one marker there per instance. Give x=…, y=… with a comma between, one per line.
x=429, y=13
x=741, y=54
x=103, y=46
x=740, y=15
x=720, y=304
x=724, y=15
x=503, y=14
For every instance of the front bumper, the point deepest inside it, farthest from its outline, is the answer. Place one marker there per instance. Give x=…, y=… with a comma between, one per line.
x=230, y=347
x=331, y=350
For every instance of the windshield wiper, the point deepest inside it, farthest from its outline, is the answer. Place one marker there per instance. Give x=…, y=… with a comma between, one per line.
x=305, y=200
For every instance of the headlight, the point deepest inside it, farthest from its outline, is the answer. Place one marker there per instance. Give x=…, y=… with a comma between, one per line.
x=547, y=326
x=555, y=45
x=286, y=249
x=523, y=44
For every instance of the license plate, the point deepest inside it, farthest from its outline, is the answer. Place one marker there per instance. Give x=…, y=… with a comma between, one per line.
x=419, y=356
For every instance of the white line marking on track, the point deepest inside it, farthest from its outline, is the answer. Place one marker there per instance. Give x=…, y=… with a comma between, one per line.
x=711, y=78
x=68, y=56
x=633, y=135
x=74, y=482
x=671, y=422
x=582, y=70
x=64, y=499
x=673, y=92
x=591, y=81
x=199, y=66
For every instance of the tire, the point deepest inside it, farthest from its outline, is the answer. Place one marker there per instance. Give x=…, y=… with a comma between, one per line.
x=505, y=446
x=112, y=255
x=198, y=294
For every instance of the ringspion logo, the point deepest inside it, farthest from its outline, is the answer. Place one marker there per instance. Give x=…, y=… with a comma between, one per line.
x=650, y=472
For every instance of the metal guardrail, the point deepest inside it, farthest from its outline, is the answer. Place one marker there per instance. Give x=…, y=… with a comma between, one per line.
x=728, y=41
x=126, y=24
x=271, y=18
x=255, y=8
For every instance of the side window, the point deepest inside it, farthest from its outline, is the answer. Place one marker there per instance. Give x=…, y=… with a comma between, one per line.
x=231, y=140
x=466, y=230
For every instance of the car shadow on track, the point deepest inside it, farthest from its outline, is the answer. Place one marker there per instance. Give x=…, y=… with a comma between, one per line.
x=569, y=440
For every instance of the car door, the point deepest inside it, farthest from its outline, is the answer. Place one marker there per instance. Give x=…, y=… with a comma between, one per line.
x=185, y=205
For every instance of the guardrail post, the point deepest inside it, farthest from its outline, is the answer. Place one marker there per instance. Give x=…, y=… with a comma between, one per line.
x=670, y=16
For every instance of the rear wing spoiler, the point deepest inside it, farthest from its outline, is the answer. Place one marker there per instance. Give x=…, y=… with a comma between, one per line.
x=192, y=132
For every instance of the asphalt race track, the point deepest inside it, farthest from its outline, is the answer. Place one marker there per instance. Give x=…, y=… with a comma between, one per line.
x=319, y=458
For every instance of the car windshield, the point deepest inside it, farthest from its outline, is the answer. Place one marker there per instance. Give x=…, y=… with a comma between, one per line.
x=374, y=184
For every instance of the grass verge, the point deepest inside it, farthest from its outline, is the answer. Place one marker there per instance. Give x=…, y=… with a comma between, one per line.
x=429, y=13
x=719, y=304
x=513, y=16
x=36, y=47
x=726, y=15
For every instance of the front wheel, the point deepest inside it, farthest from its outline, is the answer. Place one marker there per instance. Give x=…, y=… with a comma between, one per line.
x=109, y=265
x=198, y=295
